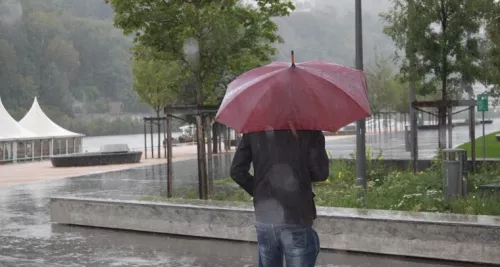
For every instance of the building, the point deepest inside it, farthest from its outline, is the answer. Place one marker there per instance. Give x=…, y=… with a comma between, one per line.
x=34, y=137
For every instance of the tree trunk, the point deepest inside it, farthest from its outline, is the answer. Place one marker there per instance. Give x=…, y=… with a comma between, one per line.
x=202, y=167
x=210, y=158
x=202, y=157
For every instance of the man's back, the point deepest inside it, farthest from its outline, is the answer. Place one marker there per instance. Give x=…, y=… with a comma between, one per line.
x=285, y=165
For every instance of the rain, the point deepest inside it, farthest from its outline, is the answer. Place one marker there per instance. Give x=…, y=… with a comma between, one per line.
x=92, y=90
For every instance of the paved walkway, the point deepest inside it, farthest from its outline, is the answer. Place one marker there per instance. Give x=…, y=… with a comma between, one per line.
x=38, y=171
x=28, y=239
x=392, y=145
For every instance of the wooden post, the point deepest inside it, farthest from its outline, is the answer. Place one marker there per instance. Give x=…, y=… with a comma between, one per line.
x=389, y=121
x=152, y=143
x=165, y=147
x=210, y=180
x=219, y=131
x=450, y=127
x=378, y=121
x=202, y=157
x=145, y=140
x=227, y=139
x=472, y=136
x=169, y=156
x=215, y=136
x=158, y=121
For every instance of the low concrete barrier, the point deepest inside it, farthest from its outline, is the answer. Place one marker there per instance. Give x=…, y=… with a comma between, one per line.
x=427, y=235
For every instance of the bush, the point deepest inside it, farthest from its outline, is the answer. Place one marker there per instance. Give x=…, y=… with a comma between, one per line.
x=389, y=190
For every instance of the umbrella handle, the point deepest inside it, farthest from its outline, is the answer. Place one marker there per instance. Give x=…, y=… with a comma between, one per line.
x=293, y=59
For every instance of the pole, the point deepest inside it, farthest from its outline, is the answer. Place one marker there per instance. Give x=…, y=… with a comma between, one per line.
x=413, y=113
x=145, y=140
x=472, y=136
x=484, y=139
x=450, y=127
x=169, y=157
x=151, y=134
x=165, y=137
x=361, y=124
x=159, y=135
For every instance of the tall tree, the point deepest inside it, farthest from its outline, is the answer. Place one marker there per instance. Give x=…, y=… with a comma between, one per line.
x=210, y=38
x=441, y=37
x=386, y=91
x=490, y=48
x=156, y=82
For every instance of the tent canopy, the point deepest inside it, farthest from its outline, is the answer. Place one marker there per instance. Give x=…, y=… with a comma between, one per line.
x=10, y=129
x=37, y=122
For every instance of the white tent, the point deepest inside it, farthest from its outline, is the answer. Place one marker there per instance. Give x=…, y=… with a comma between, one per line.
x=61, y=141
x=36, y=121
x=11, y=135
x=10, y=129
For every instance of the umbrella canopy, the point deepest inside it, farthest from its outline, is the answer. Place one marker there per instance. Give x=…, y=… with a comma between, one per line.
x=314, y=95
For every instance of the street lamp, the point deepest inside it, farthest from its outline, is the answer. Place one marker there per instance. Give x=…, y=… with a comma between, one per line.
x=361, y=124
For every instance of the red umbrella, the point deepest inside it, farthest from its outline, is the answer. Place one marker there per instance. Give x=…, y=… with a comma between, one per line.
x=313, y=95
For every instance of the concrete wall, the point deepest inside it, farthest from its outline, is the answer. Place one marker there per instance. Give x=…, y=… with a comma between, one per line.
x=438, y=236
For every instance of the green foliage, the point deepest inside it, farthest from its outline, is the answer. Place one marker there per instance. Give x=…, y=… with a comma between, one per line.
x=490, y=49
x=156, y=81
x=392, y=190
x=210, y=38
x=385, y=89
x=442, y=39
x=325, y=30
x=492, y=146
x=67, y=53
x=100, y=126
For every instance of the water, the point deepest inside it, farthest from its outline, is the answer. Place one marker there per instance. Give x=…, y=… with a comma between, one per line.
x=390, y=144
x=28, y=239
x=134, y=141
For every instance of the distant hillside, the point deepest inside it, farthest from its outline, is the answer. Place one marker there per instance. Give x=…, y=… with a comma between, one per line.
x=325, y=30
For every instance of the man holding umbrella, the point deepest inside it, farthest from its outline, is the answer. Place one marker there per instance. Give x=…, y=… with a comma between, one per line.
x=284, y=164
x=281, y=111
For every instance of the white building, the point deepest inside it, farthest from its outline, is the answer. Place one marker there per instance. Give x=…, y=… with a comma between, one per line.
x=34, y=137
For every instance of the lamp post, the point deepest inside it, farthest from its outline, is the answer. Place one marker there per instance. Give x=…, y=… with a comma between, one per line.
x=361, y=124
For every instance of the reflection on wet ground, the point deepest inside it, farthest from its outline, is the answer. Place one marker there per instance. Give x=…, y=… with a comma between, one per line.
x=27, y=237
x=392, y=145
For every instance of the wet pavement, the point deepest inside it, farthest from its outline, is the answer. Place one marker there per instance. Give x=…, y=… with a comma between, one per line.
x=392, y=145
x=27, y=237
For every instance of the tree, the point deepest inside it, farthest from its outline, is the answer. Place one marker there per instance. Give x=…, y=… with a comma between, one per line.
x=210, y=38
x=490, y=48
x=156, y=82
x=385, y=90
x=441, y=39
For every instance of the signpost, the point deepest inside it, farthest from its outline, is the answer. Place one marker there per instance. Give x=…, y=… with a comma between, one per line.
x=482, y=106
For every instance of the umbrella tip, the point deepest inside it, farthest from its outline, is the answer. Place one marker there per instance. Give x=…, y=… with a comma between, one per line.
x=293, y=59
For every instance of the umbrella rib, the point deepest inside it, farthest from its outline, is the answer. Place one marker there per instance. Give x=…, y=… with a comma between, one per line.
x=308, y=69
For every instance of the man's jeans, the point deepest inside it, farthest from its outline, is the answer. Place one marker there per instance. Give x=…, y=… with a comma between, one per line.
x=299, y=244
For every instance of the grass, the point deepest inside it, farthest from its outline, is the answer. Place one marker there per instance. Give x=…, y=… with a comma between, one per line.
x=398, y=191
x=403, y=191
x=492, y=146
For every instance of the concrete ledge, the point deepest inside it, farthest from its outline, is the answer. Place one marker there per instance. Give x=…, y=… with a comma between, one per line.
x=426, y=235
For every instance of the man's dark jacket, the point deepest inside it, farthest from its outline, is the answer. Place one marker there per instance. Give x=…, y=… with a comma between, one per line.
x=284, y=166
